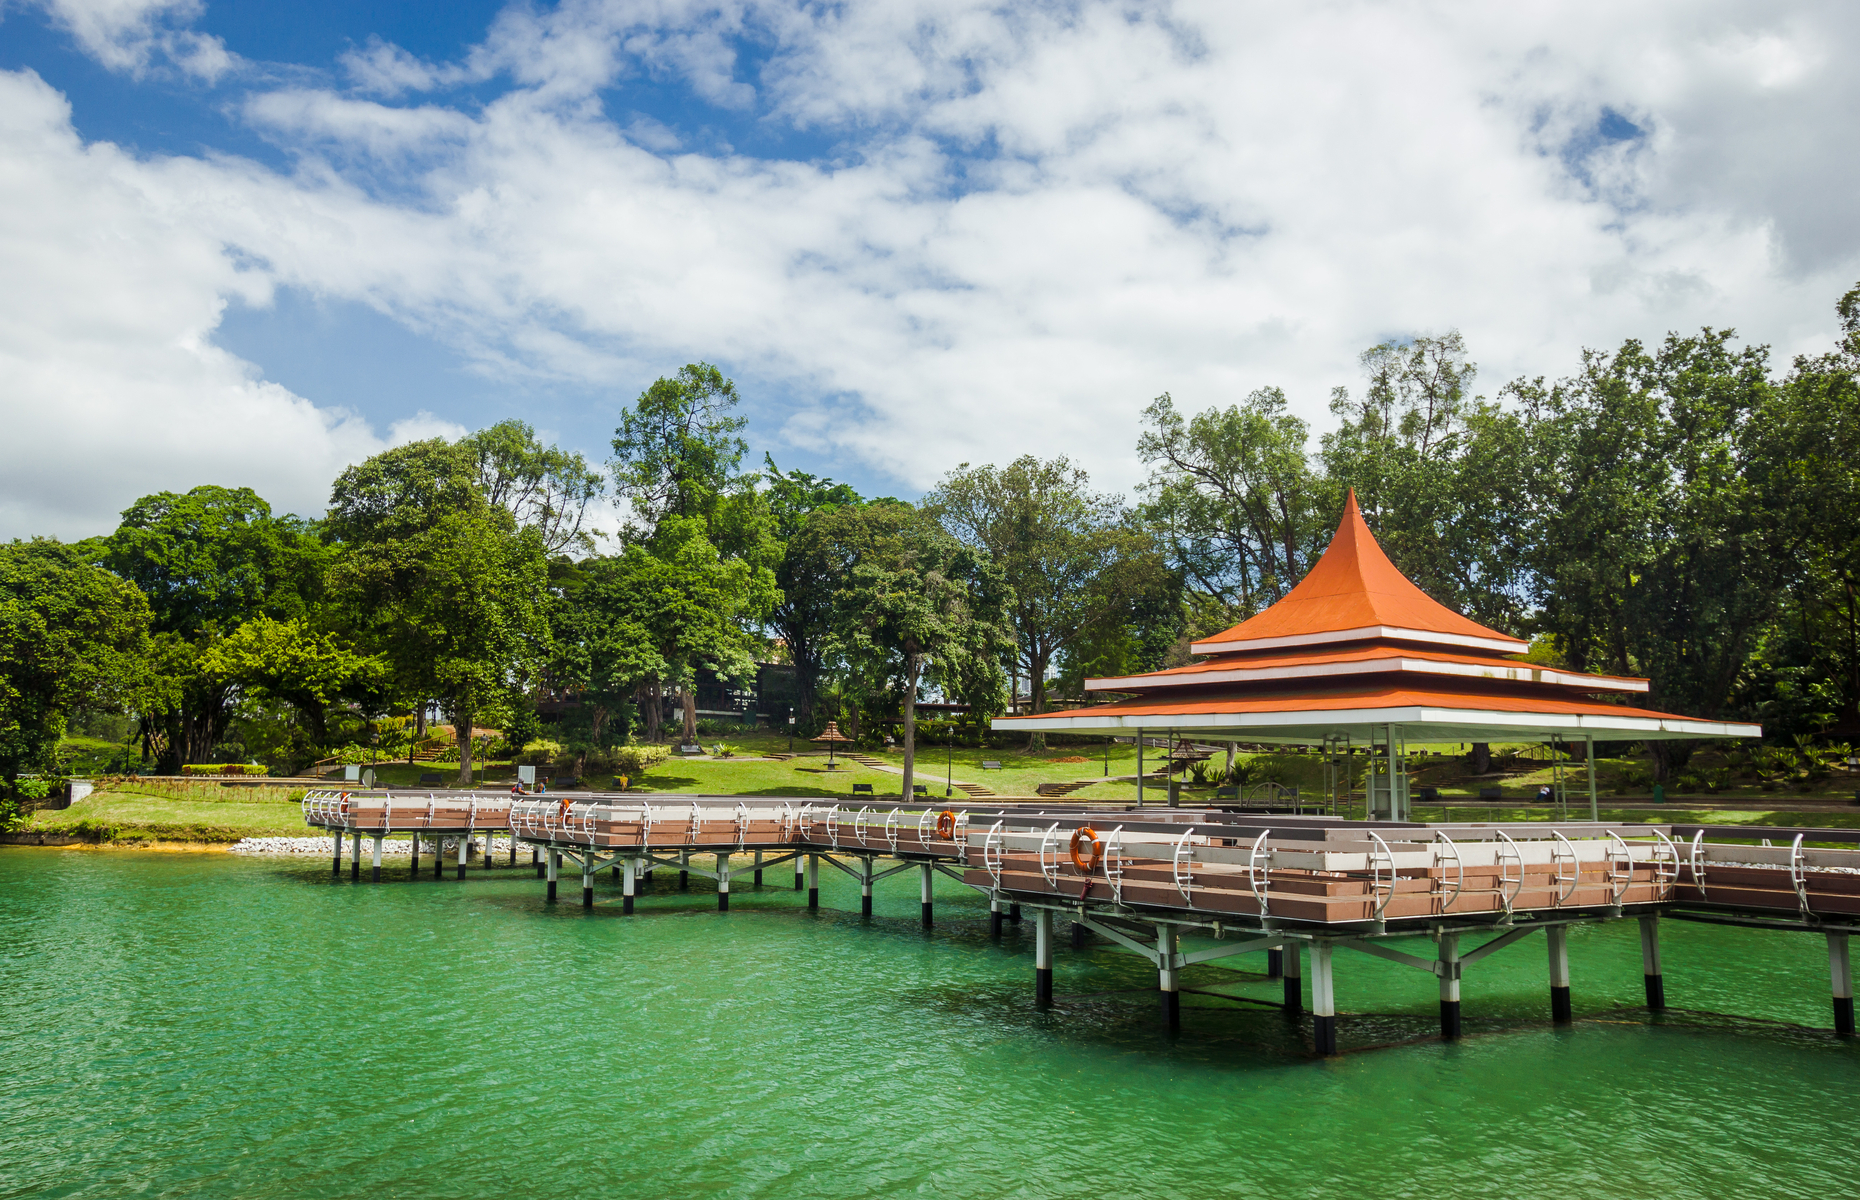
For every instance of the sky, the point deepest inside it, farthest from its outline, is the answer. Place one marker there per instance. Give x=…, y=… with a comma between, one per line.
x=247, y=242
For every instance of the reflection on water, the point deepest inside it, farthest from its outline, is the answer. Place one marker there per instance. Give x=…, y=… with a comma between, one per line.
x=207, y=1025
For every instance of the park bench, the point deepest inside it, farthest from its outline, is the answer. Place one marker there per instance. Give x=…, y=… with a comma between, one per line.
x=862, y=789
x=990, y=766
x=430, y=777
x=1491, y=793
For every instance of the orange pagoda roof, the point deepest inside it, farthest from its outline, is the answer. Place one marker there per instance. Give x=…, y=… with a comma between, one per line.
x=1356, y=649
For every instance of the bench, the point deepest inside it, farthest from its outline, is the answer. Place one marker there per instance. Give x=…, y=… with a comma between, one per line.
x=862, y=789
x=990, y=766
x=1491, y=793
x=570, y=782
x=919, y=789
x=429, y=777
x=1428, y=795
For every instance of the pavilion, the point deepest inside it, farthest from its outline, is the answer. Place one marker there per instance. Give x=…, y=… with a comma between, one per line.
x=1357, y=657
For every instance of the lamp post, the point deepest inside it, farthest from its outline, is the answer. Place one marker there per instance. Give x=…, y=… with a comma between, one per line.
x=791, y=733
x=949, y=759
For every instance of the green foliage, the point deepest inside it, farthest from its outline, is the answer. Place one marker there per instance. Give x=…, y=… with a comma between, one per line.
x=71, y=636
x=677, y=450
x=542, y=487
x=804, y=614
x=634, y=761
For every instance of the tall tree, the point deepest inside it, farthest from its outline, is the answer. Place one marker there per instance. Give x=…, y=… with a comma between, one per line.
x=1072, y=558
x=916, y=606
x=545, y=488
x=450, y=588
x=678, y=448
x=208, y=560
x=72, y=636
x=803, y=617
x=1233, y=497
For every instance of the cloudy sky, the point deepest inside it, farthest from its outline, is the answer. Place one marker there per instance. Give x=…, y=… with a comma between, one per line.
x=248, y=241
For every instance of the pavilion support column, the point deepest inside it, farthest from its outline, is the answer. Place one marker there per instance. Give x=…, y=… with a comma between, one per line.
x=1450, y=986
x=1166, y=942
x=377, y=878
x=1595, y=797
x=1650, y=963
x=1139, y=768
x=1043, y=958
x=1840, y=969
x=1294, y=1002
x=628, y=884
x=723, y=882
x=555, y=871
x=1558, y=936
x=1323, y=1001
x=928, y=872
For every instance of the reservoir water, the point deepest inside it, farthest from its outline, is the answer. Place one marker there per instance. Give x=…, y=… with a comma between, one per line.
x=210, y=1025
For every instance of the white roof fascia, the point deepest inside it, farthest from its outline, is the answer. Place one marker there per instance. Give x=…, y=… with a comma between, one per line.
x=1413, y=718
x=1512, y=673
x=1508, y=645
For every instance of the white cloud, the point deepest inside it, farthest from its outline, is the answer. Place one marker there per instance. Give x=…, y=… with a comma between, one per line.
x=1039, y=216
x=135, y=35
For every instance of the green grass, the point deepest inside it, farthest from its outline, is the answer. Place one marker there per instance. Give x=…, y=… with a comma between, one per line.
x=126, y=816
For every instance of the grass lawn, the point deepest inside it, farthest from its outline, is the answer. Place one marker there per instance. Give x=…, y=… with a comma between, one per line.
x=123, y=815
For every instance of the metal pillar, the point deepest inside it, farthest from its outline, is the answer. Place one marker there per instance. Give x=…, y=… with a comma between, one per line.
x=684, y=876
x=994, y=916
x=1595, y=814
x=487, y=850
x=627, y=885
x=335, y=867
x=355, y=858
x=723, y=882
x=377, y=878
x=439, y=857
x=587, y=880
x=513, y=847
x=1166, y=942
x=1043, y=958
x=1275, y=964
x=1323, y=1001
x=758, y=878
x=1840, y=968
x=928, y=870
x=800, y=872
x=536, y=860
x=1650, y=963
x=1079, y=934
x=1449, y=986
x=1139, y=768
x=415, y=872
x=1294, y=1002
x=1013, y=914
x=555, y=872
x=813, y=881
x=1558, y=936
x=464, y=852
x=865, y=885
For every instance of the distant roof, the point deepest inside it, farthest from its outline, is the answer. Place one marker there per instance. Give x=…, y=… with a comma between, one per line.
x=1355, y=592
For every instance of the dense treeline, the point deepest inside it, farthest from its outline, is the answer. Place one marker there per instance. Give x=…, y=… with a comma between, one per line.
x=1685, y=512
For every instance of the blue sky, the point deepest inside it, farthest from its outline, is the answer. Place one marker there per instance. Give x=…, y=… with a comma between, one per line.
x=253, y=242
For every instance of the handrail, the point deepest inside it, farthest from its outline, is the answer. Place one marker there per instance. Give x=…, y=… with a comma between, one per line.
x=891, y=830
x=1575, y=867
x=1049, y=849
x=991, y=852
x=1508, y=849
x=1698, y=862
x=1459, y=866
x=1664, y=881
x=1182, y=866
x=1625, y=876
x=1259, y=871
x=1387, y=855
x=1798, y=876
x=1114, y=863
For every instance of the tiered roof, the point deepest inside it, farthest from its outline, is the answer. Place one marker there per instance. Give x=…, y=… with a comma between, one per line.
x=1357, y=646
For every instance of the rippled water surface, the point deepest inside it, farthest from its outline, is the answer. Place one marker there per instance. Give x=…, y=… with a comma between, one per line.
x=209, y=1025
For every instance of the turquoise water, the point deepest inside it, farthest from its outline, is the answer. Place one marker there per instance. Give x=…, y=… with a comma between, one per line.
x=182, y=1025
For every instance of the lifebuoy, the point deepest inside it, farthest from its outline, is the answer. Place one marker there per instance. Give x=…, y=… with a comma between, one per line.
x=946, y=825
x=1087, y=837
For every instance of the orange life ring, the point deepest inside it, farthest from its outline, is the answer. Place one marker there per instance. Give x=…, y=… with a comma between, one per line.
x=564, y=809
x=946, y=825
x=1087, y=836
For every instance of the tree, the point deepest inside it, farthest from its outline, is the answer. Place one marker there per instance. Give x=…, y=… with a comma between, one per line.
x=289, y=661
x=1669, y=519
x=916, y=605
x=543, y=487
x=208, y=561
x=803, y=617
x=1234, y=499
x=448, y=588
x=1070, y=557
x=677, y=450
x=72, y=635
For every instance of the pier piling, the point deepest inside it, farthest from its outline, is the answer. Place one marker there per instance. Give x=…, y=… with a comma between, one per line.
x=628, y=884
x=1014, y=914
x=813, y=880
x=758, y=877
x=535, y=859
x=1166, y=953
x=1323, y=1001
x=865, y=885
x=439, y=857
x=1449, y=986
x=587, y=881
x=355, y=859
x=928, y=871
x=1841, y=969
x=335, y=868
x=994, y=916
x=1294, y=1002
x=1650, y=963
x=800, y=868
x=1275, y=964
x=723, y=882
x=1558, y=936
x=414, y=871
x=464, y=853
x=377, y=878
x=1043, y=958
x=555, y=871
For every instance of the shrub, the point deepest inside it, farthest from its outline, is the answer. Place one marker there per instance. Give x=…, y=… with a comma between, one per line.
x=540, y=753
x=634, y=761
